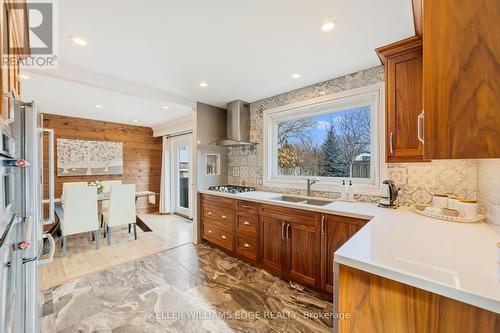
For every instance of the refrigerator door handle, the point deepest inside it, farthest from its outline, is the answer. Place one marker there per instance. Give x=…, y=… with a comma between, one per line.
x=52, y=243
x=51, y=218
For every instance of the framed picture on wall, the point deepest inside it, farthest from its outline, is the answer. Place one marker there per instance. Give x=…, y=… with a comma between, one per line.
x=89, y=158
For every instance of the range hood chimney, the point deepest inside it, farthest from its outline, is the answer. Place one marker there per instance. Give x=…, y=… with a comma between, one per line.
x=238, y=126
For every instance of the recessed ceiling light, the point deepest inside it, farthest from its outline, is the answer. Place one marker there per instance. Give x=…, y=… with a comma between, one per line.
x=296, y=76
x=165, y=107
x=328, y=26
x=135, y=121
x=203, y=84
x=24, y=76
x=78, y=41
x=98, y=106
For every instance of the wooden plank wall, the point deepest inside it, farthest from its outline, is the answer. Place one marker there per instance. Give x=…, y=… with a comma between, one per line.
x=141, y=153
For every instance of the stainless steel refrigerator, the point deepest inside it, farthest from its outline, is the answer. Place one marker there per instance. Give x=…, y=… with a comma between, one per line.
x=23, y=245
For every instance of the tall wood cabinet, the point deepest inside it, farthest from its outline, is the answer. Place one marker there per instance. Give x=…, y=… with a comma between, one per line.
x=461, y=79
x=15, y=36
x=404, y=100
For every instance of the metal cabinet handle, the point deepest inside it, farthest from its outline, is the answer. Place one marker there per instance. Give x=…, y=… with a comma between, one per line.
x=51, y=218
x=283, y=230
x=246, y=223
x=52, y=250
x=244, y=206
x=223, y=237
x=420, y=131
x=391, y=146
x=11, y=98
x=287, y=231
x=246, y=245
x=209, y=231
x=224, y=216
x=322, y=224
x=210, y=213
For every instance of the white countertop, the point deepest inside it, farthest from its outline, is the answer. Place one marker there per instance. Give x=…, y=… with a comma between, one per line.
x=456, y=260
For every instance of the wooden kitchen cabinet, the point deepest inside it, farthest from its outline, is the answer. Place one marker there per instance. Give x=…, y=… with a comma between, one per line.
x=273, y=244
x=14, y=18
x=335, y=231
x=380, y=305
x=404, y=101
x=461, y=83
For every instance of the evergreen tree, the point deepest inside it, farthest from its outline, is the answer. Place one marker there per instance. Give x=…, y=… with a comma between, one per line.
x=331, y=164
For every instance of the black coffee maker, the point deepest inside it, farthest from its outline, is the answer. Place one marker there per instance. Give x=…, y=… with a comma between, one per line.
x=392, y=191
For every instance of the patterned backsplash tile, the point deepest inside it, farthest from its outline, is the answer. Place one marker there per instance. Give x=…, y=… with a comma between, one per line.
x=418, y=181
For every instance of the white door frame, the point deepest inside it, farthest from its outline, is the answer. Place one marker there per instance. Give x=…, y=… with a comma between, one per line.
x=175, y=143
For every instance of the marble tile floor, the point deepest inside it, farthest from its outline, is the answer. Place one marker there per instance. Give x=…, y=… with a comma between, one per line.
x=191, y=288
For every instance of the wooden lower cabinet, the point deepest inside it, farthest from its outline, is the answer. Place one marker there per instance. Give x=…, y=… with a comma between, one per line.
x=336, y=230
x=273, y=244
x=303, y=253
x=380, y=305
x=292, y=243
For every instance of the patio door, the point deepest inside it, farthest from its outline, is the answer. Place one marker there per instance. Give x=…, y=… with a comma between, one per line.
x=181, y=175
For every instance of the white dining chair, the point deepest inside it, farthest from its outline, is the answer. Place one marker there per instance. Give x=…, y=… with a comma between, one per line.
x=106, y=188
x=73, y=184
x=121, y=209
x=80, y=214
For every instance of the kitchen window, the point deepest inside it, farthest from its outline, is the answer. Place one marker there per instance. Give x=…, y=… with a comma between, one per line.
x=331, y=138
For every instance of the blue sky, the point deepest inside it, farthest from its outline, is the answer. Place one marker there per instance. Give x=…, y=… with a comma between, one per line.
x=319, y=132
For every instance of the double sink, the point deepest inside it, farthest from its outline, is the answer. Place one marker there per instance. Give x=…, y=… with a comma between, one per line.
x=303, y=201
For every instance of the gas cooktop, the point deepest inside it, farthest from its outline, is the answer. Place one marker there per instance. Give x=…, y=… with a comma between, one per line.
x=231, y=188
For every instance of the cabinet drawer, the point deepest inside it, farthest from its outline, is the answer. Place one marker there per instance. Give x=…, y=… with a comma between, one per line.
x=247, y=224
x=291, y=215
x=247, y=207
x=220, y=236
x=223, y=216
x=217, y=200
x=247, y=247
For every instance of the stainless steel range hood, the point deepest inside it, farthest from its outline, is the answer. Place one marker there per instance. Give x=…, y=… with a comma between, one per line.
x=238, y=126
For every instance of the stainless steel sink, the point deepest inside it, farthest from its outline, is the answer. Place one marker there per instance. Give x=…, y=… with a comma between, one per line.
x=289, y=199
x=317, y=202
x=314, y=202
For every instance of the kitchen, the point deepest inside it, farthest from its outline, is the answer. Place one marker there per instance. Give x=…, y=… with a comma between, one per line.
x=357, y=195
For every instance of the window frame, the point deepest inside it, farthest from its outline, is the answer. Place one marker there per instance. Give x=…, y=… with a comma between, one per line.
x=344, y=100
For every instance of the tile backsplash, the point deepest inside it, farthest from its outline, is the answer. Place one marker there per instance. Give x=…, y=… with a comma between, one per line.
x=418, y=181
x=489, y=191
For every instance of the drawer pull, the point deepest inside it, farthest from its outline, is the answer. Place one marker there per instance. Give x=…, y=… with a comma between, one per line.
x=246, y=245
x=209, y=231
x=223, y=237
x=224, y=216
x=210, y=213
x=245, y=206
x=246, y=223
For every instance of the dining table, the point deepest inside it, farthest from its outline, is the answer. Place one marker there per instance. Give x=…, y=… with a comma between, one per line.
x=104, y=196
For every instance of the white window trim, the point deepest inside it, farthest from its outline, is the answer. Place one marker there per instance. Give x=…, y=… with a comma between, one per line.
x=369, y=187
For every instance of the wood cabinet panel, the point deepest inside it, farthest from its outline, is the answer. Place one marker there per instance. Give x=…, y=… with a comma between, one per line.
x=217, y=214
x=247, y=207
x=381, y=305
x=461, y=79
x=272, y=243
x=303, y=253
x=336, y=231
x=404, y=100
x=290, y=214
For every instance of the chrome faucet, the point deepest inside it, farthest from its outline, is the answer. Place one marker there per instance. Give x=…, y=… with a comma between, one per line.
x=310, y=182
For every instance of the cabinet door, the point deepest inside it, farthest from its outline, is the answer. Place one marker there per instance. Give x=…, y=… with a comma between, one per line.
x=337, y=231
x=404, y=104
x=272, y=244
x=303, y=253
x=461, y=79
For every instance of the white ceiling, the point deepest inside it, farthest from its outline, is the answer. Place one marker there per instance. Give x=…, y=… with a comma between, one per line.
x=243, y=49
